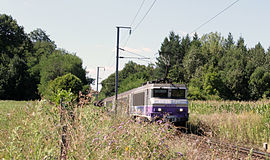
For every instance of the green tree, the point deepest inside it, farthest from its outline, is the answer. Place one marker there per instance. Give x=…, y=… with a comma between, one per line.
x=229, y=42
x=177, y=74
x=58, y=64
x=172, y=52
x=213, y=85
x=212, y=48
x=233, y=71
x=255, y=58
x=15, y=47
x=43, y=46
x=259, y=83
x=193, y=60
x=267, y=59
x=131, y=76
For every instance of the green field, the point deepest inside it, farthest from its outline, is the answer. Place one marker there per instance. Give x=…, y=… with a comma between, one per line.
x=238, y=122
x=32, y=130
x=27, y=132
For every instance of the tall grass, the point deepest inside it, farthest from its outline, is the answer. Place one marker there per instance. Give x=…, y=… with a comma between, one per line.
x=241, y=122
x=32, y=130
x=28, y=132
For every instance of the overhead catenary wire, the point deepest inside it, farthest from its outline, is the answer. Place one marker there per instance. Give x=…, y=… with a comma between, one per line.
x=214, y=16
x=138, y=24
x=132, y=22
x=141, y=57
x=135, y=28
x=137, y=58
x=132, y=53
x=133, y=57
x=137, y=13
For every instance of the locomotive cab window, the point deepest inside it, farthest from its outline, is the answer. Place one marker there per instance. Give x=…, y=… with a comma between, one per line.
x=160, y=93
x=178, y=93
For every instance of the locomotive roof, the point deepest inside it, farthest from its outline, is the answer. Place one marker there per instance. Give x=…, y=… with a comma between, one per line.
x=167, y=85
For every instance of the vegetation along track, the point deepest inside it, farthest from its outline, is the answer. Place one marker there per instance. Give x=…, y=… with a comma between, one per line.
x=205, y=142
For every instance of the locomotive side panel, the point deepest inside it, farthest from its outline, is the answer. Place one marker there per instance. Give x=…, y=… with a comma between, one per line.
x=138, y=103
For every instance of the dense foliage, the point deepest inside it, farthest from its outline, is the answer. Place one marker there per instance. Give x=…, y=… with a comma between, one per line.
x=29, y=61
x=66, y=82
x=132, y=76
x=213, y=67
x=57, y=64
x=15, y=48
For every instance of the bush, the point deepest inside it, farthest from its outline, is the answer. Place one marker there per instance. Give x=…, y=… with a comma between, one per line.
x=66, y=82
x=195, y=93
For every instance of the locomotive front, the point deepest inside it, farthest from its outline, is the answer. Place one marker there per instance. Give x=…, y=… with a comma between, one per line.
x=169, y=102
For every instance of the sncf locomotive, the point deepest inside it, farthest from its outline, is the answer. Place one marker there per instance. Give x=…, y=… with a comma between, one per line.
x=153, y=101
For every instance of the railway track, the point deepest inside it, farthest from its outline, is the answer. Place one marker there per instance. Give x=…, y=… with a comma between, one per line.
x=244, y=151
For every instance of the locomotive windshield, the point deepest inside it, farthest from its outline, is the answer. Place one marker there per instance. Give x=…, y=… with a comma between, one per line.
x=164, y=93
x=161, y=93
x=178, y=93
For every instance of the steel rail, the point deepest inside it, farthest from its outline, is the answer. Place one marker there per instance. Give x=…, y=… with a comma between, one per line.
x=245, y=150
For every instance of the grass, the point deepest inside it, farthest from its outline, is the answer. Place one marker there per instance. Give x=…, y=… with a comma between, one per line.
x=238, y=122
x=32, y=130
x=26, y=132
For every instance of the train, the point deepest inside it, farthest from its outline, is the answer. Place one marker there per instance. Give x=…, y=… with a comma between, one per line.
x=153, y=101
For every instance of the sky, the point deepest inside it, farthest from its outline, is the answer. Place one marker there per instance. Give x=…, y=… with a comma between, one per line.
x=88, y=27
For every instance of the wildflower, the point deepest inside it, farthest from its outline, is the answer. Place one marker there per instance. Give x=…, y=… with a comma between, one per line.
x=163, y=130
x=127, y=148
x=180, y=154
x=159, y=121
x=94, y=140
x=120, y=127
x=110, y=143
x=161, y=142
x=162, y=155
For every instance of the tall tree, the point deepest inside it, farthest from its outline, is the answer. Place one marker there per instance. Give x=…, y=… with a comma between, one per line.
x=234, y=73
x=255, y=58
x=15, y=47
x=172, y=52
x=58, y=64
x=43, y=46
x=229, y=42
x=259, y=83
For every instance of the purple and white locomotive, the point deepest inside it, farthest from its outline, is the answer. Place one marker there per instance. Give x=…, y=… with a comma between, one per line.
x=153, y=101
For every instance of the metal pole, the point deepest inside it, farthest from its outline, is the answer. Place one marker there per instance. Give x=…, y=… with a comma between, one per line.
x=97, y=83
x=116, y=71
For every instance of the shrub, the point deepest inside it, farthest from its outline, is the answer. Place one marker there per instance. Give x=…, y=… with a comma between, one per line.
x=66, y=82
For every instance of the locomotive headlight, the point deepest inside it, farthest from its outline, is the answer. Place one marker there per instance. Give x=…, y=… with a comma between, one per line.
x=181, y=110
x=159, y=109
